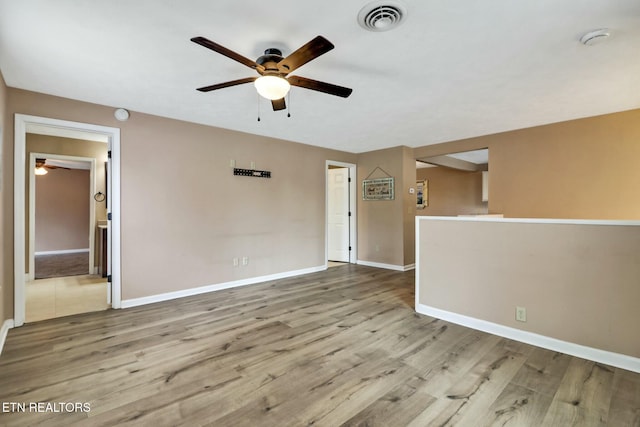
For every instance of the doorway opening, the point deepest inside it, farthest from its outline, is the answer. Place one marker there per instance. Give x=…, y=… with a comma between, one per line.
x=454, y=184
x=340, y=243
x=63, y=217
x=24, y=200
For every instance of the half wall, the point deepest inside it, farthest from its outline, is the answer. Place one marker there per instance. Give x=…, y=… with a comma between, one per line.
x=578, y=280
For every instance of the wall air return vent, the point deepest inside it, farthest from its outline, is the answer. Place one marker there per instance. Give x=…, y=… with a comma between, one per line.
x=381, y=15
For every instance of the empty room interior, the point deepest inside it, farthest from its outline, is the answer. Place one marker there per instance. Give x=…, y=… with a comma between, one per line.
x=386, y=213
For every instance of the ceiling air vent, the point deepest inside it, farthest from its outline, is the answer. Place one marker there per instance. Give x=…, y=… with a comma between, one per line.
x=594, y=37
x=381, y=15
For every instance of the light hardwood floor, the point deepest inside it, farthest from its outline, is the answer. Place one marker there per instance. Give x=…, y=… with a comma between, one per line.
x=63, y=296
x=341, y=347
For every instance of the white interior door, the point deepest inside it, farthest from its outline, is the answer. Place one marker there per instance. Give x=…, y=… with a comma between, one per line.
x=338, y=215
x=108, y=189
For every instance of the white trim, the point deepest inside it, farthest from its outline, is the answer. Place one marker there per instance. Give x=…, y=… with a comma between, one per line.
x=128, y=303
x=8, y=324
x=417, y=257
x=602, y=356
x=387, y=266
x=19, y=195
x=113, y=226
x=20, y=125
x=530, y=220
x=62, y=252
x=353, y=204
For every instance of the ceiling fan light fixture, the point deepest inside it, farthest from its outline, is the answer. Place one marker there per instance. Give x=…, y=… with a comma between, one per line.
x=41, y=171
x=272, y=87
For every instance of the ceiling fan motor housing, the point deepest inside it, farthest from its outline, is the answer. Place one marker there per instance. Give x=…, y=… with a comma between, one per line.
x=273, y=51
x=270, y=60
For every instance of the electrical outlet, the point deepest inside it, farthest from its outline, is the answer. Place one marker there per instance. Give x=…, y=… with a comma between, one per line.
x=253, y=165
x=232, y=163
x=245, y=260
x=236, y=262
x=521, y=314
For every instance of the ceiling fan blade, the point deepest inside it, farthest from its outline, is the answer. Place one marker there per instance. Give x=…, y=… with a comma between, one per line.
x=329, y=88
x=227, y=52
x=278, y=104
x=226, y=84
x=306, y=53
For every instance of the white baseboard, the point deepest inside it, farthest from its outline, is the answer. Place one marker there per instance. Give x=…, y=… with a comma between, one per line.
x=217, y=287
x=61, y=252
x=8, y=324
x=601, y=356
x=387, y=266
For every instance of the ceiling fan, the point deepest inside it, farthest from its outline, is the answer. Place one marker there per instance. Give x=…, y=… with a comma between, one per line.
x=274, y=81
x=41, y=167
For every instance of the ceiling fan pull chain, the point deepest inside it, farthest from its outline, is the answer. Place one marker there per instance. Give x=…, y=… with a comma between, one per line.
x=289, y=104
x=258, y=107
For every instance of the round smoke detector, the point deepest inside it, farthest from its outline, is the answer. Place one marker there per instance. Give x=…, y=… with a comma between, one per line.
x=381, y=15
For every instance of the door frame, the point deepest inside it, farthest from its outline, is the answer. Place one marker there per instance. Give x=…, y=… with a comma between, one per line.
x=353, y=232
x=19, y=195
x=32, y=207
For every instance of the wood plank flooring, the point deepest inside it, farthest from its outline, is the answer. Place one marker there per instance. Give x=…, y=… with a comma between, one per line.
x=61, y=265
x=340, y=347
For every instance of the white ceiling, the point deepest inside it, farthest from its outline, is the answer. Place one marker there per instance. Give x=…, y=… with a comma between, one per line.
x=71, y=164
x=474, y=156
x=423, y=165
x=453, y=69
x=479, y=157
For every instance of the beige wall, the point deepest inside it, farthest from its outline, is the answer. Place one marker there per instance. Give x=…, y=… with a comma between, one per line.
x=386, y=228
x=185, y=216
x=382, y=223
x=580, y=169
x=6, y=219
x=62, y=210
x=583, y=168
x=578, y=283
x=452, y=192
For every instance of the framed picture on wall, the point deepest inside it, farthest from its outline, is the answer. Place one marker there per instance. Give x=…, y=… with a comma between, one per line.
x=378, y=189
x=422, y=194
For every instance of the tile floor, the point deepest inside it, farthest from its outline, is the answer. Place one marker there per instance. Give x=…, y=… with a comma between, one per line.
x=335, y=264
x=63, y=296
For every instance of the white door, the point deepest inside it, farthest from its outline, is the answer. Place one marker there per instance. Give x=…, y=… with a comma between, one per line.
x=109, y=191
x=338, y=215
